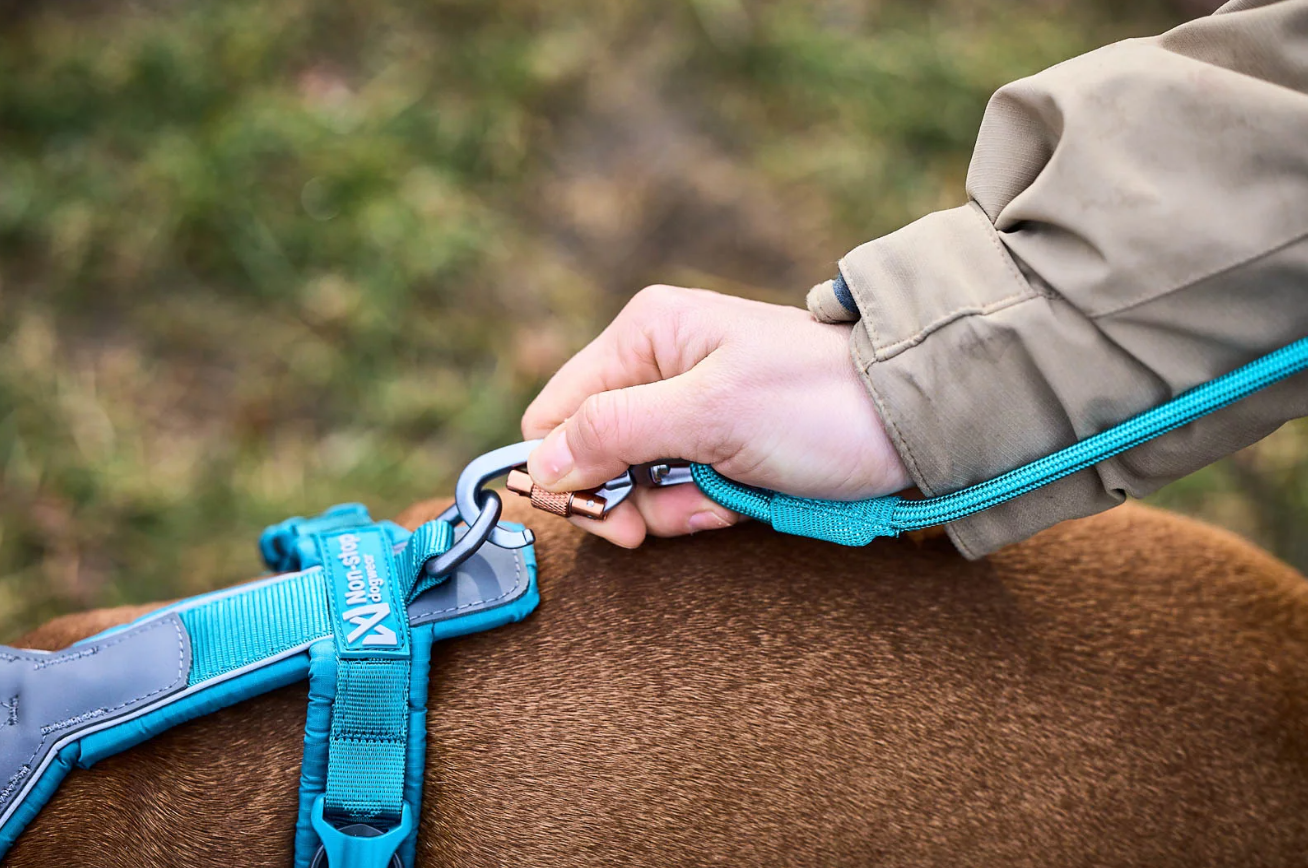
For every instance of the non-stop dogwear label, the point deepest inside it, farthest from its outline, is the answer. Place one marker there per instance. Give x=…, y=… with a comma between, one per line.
x=362, y=581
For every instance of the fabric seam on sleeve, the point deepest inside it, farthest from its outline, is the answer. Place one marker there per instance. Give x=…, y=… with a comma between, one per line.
x=888, y=419
x=1025, y=290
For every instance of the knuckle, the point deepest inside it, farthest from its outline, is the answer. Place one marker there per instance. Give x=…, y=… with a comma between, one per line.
x=646, y=313
x=661, y=301
x=602, y=420
x=665, y=321
x=655, y=296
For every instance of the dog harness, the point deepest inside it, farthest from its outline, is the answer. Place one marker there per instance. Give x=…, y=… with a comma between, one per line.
x=355, y=611
x=358, y=604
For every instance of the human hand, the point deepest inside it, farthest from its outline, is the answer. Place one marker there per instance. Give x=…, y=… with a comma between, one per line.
x=762, y=392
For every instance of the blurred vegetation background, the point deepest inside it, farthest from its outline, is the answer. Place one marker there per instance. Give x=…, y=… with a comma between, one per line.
x=260, y=257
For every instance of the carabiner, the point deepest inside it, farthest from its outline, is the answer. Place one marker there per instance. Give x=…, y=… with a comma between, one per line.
x=595, y=503
x=468, y=491
x=479, y=530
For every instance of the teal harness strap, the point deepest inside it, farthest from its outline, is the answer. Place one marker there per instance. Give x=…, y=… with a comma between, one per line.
x=428, y=540
x=858, y=522
x=364, y=733
x=365, y=772
x=289, y=615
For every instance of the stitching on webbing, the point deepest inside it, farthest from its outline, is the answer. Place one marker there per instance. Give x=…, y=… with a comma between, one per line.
x=365, y=738
x=23, y=771
x=55, y=661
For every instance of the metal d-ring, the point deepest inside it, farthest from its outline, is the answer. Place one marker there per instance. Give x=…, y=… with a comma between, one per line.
x=474, y=537
x=468, y=491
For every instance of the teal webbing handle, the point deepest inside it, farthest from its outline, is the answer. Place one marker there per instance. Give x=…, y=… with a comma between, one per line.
x=858, y=522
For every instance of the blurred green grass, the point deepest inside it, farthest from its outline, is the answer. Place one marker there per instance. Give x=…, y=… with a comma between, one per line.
x=260, y=257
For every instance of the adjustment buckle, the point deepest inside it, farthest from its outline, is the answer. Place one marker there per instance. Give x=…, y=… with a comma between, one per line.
x=358, y=845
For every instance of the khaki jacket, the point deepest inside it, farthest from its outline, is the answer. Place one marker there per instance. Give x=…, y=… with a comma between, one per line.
x=1137, y=225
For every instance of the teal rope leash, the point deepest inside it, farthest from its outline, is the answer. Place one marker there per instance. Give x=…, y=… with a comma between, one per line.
x=858, y=522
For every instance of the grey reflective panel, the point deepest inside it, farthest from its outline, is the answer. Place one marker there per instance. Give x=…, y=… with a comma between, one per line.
x=45, y=695
x=491, y=577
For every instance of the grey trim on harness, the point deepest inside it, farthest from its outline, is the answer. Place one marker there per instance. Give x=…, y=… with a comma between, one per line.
x=44, y=694
x=484, y=581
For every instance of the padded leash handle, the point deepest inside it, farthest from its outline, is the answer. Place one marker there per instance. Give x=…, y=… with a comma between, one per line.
x=858, y=522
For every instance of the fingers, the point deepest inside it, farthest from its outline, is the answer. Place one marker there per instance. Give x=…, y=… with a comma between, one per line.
x=663, y=512
x=679, y=510
x=612, y=430
x=623, y=526
x=659, y=334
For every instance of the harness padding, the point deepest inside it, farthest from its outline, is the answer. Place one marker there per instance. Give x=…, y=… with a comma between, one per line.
x=68, y=709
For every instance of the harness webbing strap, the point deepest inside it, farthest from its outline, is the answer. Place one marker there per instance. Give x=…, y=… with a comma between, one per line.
x=428, y=540
x=366, y=750
x=363, y=757
x=289, y=545
x=286, y=615
x=370, y=712
x=858, y=522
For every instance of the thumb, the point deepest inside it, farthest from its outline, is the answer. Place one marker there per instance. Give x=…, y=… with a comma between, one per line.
x=615, y=429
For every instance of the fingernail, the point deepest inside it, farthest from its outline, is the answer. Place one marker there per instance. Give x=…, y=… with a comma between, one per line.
x=706, y=520
x=553, y=458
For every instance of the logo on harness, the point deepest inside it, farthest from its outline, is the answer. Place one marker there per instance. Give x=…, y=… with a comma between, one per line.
x=361, y=575
x=365, y=618
x=364, y=593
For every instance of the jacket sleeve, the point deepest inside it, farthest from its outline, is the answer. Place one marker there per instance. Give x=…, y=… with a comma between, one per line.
x=1137, y=225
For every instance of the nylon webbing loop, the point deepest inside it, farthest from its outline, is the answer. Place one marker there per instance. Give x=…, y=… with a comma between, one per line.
x=366, y=749
x=368, y=587
x=289, y=546
x=429, y=540
x=858, y=522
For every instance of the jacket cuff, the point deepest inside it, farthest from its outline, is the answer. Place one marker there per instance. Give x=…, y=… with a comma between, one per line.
x=950, y=345
x=939, y=269
x=831, y=302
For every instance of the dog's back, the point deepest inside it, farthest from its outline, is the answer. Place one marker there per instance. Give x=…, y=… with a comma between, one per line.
x=1130, y=689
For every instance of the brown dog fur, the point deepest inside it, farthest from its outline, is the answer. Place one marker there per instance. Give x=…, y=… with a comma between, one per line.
x=1130, y=689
